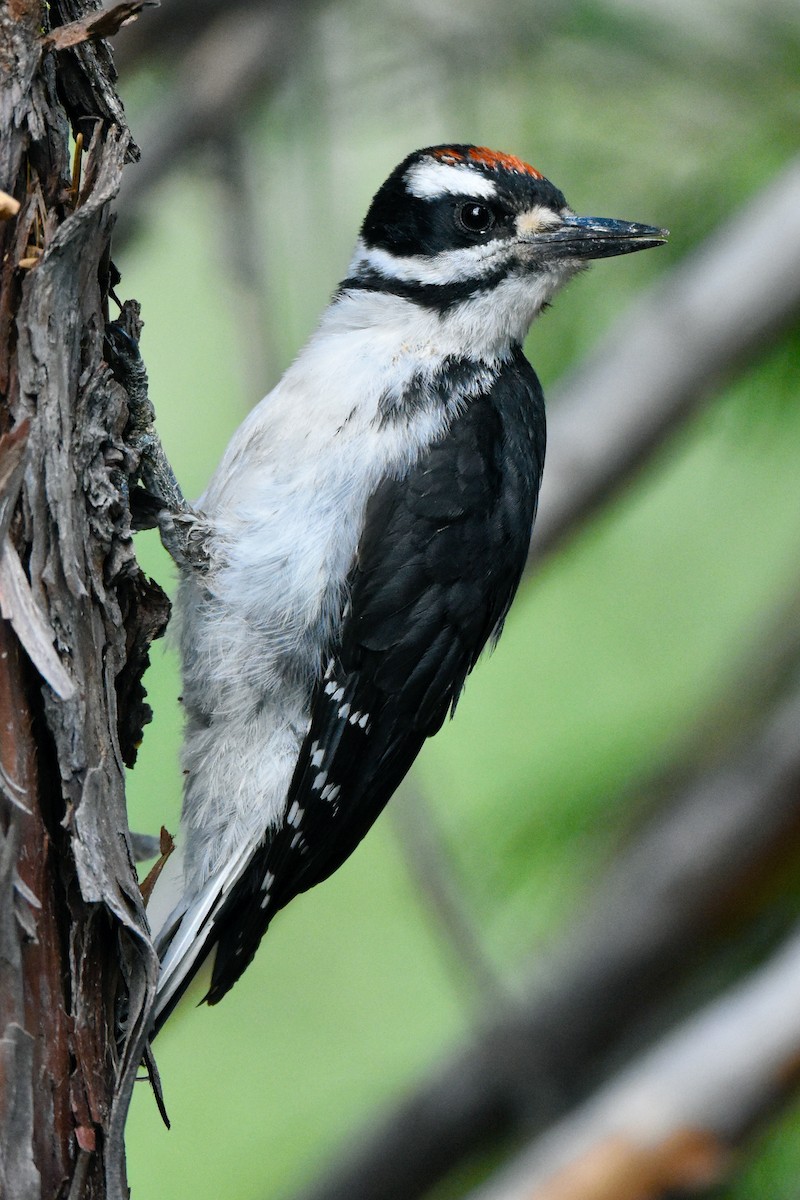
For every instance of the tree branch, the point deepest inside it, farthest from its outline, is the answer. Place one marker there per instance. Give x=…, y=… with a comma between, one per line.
x=78, y=969
x=240, y=56
x=429, y=864
x=670, y=1119
x=672, y=890
x=99, y=25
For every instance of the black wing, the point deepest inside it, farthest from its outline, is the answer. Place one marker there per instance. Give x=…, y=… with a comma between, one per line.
x=436, y=570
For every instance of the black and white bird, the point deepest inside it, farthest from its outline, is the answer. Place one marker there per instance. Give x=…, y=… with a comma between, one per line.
x=366, y=531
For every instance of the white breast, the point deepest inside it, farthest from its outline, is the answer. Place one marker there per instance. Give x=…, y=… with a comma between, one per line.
x=287, y=506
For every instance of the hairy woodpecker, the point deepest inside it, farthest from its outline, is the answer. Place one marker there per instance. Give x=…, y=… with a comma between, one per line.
x=362, y=540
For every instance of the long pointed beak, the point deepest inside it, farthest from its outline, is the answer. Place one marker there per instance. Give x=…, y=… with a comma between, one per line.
x=600, y=237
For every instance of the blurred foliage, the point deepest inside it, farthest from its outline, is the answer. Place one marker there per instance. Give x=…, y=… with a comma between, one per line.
x=672, y=114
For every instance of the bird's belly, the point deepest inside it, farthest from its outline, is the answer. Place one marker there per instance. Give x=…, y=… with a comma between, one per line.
x=253, y=640
x=255, y=633
x=236, y=779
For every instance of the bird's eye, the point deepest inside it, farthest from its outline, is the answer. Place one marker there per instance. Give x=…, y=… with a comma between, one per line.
x=475, y=218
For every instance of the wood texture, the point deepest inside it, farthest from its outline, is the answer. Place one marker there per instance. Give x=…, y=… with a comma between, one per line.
x=77, y=969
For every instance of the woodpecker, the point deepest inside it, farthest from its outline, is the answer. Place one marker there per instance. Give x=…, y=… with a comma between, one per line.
x=362, y=541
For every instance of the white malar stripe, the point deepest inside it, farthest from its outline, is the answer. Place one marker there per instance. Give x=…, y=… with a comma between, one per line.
x=428, y=179
x=450, y=266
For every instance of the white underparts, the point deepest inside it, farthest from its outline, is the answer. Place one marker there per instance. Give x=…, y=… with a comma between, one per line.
x=286, y=506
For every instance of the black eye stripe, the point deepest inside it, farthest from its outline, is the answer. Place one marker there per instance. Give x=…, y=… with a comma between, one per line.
x=475, y=217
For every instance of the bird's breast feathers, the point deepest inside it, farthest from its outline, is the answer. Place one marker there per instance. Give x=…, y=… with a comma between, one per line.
x=289, y=497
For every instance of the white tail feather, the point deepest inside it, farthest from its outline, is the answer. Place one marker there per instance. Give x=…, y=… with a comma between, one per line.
x=183, y=937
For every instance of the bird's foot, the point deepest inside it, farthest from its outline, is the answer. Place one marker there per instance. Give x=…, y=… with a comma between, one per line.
x=158, y=501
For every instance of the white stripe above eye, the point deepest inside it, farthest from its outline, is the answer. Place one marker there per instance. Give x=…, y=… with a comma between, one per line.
x=428, y=179
x=449, y=266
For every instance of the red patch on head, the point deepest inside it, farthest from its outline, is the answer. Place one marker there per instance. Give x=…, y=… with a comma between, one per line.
x=507, y=162
x=447, y=154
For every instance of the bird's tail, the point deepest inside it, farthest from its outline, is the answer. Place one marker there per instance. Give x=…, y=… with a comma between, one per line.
x=185, y=933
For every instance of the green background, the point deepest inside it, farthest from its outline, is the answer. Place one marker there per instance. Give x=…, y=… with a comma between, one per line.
x=615, y=652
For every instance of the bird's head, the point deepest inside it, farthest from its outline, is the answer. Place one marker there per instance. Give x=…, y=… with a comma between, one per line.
x=458, y=225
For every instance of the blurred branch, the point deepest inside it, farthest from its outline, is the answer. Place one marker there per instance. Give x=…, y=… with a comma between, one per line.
x=241, y=55
x=241, y=249
x=769, y=661
x=430, y=866
x=680, y=883
x=670, y=1119
x=173, y=27
x=708, y=318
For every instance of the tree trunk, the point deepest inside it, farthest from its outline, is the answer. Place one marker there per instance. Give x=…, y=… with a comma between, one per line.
x=77, y=969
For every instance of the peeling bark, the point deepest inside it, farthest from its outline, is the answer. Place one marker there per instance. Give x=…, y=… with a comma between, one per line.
x=77, y=969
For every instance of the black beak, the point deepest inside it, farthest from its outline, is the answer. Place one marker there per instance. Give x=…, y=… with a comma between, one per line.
x=600, y=237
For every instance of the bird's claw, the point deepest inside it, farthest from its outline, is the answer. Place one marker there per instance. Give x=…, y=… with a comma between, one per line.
x=184, y=531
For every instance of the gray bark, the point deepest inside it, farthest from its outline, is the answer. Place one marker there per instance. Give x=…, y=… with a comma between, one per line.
x=77, y=969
